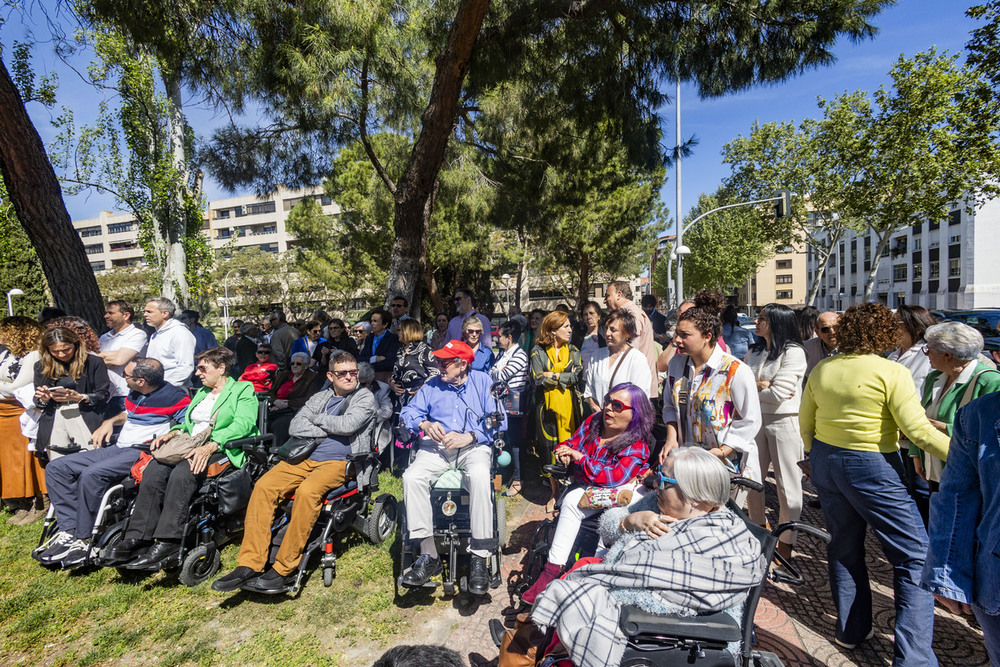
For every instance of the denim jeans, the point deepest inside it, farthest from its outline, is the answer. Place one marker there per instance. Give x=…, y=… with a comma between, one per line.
x=861, y=489
x=990, y=623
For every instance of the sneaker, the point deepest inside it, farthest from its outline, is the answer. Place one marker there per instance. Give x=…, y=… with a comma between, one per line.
x=422, y=570
x=55, y=540
x=76, y=556
x=848, y=645
x=234, y=579
x=57, y=553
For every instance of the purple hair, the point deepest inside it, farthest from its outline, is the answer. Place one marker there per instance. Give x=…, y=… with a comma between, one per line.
x=641, y=426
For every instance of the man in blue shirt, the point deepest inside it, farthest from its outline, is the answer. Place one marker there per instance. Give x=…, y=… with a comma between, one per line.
x=450, y=410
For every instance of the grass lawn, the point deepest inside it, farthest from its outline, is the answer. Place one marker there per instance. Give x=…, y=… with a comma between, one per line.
x=98, y=617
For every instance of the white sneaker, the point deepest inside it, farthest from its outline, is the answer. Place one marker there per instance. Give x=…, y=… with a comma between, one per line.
x=60, y=551
x=61, y=537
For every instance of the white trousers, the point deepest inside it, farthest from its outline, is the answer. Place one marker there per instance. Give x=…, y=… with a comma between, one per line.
x=780, y=444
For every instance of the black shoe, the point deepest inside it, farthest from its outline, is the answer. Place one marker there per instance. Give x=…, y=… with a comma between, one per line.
x=156, y=557
x=234, y=579
x=125, y=551
x=479, y=576
x=422, y=570
x=269, y=583
x=814, y=503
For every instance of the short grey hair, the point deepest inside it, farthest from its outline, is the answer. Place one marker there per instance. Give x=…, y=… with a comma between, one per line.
x=959, y=340
x=165, y=304
x=701, y=476
x=247, y=327
x=365, y=373
x=364, y=325
x=303, y=355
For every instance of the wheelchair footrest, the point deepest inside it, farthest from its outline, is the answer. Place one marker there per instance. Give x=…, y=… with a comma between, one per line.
x=719, y=627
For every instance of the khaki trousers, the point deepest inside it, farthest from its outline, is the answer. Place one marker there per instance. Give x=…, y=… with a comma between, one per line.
x=779, y=443
x=309, y=481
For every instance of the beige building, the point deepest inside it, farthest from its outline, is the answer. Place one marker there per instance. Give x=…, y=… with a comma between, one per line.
x=780, y=279
x=111, y=240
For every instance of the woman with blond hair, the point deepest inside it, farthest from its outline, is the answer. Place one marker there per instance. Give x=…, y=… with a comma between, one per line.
x=22, y=482
x=556, y=371
x=473, y=333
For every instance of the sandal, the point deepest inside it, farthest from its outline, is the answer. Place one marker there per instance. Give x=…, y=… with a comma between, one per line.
x=512, y=490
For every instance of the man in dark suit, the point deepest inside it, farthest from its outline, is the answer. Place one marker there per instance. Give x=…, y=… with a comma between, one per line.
x=381, y=346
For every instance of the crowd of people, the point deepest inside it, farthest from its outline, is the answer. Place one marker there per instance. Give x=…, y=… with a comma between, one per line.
x=644, y=416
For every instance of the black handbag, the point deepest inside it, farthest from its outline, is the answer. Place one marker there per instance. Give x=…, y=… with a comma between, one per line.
x=296, y=450
x=233, y=490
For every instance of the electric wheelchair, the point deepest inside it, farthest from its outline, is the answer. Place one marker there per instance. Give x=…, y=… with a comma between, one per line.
x=707, y=640
x=450, y=503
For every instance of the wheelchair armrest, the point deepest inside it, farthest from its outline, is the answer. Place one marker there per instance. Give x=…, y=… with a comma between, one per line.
x=252, y=443
x=718, y=627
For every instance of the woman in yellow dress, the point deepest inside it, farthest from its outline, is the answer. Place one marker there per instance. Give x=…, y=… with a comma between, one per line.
x=556, y=372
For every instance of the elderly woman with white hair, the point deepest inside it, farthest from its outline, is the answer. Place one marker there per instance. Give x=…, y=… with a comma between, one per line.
x=689, y=556
x=958, y=377
x=290, y=391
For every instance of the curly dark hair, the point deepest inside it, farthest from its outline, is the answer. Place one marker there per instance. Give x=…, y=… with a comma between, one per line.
x=867, y=328
x=710, y=300
x=706, y=321
x=20, y=334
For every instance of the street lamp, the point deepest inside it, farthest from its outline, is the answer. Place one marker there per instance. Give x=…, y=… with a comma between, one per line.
x=506, y=284
x=225, y=307
x=10, y=304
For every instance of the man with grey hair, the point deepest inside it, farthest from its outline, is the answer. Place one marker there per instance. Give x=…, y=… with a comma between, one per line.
x=172, y=343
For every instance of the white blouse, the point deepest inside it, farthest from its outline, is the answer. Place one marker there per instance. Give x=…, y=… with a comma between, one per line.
x=201, y=414
x=633, y=368
x=10, y=381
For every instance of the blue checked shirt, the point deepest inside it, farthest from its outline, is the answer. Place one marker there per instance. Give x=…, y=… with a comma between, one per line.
x=458, y=409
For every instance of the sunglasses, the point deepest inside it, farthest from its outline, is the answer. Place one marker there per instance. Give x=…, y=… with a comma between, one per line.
x=203, y=369
x=358, y=331
x=346, y=374
x=263, y=352
x=826, y=329
x=618, y=406
x=445, y=363
x=297, y=363
x=474, y=332
x=128, y=377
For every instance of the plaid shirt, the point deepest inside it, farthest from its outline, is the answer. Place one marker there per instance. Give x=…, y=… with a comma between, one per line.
x=600, y=466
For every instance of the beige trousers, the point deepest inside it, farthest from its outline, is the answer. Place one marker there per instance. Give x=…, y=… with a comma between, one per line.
x=779, y=443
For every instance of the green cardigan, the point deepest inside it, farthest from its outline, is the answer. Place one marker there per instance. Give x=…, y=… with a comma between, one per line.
x=236, y=410
x=987, y=383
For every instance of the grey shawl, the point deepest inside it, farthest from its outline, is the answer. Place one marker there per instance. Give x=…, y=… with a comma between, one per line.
x=705, y=564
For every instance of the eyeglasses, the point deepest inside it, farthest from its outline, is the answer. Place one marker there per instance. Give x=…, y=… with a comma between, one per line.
x=474, y=332
x=359, y=331
x=826, y=329
x=666, y=480
x=297, y=363
x=445, y=363
x=314, y=331
x=263, y=352
x=618, y=406
x=203, y=369
x=346, y=374
x=128, y=377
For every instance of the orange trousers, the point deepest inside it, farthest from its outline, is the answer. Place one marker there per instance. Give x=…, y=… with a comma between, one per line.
x=309, y=481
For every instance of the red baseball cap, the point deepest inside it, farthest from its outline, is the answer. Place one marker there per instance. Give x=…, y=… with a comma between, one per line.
x=455, y=349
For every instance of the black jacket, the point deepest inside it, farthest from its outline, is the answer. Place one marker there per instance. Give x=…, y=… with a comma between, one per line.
x=388, y=347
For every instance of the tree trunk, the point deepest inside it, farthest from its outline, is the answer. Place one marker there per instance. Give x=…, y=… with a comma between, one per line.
x=37, y=198
x=415, y=188
x=583, y=289
x=821, y=265
x=175, y=264
x=883, y=240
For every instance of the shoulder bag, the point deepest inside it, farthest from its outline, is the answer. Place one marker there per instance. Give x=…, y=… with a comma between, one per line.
x=295, y=450
x=174, y=450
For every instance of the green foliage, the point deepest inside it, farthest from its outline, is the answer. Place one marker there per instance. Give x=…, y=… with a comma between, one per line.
x=133, y=284
x=260, y=282
x=19, y=265
x=726, y=246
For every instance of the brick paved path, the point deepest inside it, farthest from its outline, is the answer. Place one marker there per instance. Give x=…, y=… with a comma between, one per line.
x=795, y=622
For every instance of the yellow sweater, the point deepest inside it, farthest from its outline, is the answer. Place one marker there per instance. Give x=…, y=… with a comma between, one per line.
x=860, y=402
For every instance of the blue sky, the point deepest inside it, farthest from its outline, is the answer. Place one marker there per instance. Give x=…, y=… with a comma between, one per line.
x=908, y=27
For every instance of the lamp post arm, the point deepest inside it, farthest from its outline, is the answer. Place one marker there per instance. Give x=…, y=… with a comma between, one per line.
x=721, y=208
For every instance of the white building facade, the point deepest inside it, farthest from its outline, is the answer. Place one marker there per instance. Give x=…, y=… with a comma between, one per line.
x=940, y=265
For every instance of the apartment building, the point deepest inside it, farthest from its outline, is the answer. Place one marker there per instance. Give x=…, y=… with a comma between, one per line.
x=780, y=279
x=111, y=240
x=937, y=264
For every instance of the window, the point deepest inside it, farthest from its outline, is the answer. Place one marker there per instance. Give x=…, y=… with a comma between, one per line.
x=269, y=247
x=934, y=244
x=122, y=245
x=784, y=250
x=955, y=239
x=222, y=213
x=120, y=228
x=899, y=272
x=238, y=211
x=90, y=231
x=324, y=200
x=955, y=218
x=954, y=267
x=854, y=254
x=933, y=224
x=268, y=229
x=258, y=209
x=97, y=266
x=784, y=264
x=783, y=294
x=918, y=271
x=916, y=243
x=783, y=280
x=226, y=233
x=935, y=269
x=96, y=249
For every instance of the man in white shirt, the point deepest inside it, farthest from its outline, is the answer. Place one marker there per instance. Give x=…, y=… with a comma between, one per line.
x=172, y=343
x=121, y=343
x=619, y=295
x=465, y=304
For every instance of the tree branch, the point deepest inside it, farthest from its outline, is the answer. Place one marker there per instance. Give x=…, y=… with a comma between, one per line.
x=363, y=132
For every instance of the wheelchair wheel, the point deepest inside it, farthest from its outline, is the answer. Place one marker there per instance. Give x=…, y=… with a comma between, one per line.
x=328, y=576
x=199, y=564
x=381, y=523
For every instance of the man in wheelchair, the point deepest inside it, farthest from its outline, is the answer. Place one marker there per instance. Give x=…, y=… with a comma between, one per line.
x=76, y=483
x=338, y=421
x=690, y=557
x=451, y=412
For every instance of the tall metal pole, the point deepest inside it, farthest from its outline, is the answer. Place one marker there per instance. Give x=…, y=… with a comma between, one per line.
x=225, y=307
x=678, y=215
